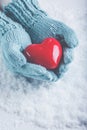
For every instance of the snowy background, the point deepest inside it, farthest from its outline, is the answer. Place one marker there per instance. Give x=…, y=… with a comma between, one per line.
x=34, y=105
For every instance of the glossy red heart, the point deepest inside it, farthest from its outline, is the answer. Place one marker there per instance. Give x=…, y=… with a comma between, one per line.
x=48, y=53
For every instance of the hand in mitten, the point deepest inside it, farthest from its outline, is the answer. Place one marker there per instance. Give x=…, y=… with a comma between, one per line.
x=13, y=40
x=40, y=26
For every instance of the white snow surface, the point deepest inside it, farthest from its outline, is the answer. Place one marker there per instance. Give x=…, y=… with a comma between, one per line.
x=34, y=105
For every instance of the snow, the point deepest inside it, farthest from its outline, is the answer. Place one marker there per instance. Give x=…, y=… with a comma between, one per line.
x=35, y=105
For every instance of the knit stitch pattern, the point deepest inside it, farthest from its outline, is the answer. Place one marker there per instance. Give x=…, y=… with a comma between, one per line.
x=10, y=40
x=40, y=26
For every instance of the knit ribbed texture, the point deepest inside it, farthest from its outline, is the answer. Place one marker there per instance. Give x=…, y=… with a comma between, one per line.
x=5, y=25
x=30, y=15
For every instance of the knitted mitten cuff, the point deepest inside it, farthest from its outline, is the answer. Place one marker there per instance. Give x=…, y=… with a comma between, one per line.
x=26, y=10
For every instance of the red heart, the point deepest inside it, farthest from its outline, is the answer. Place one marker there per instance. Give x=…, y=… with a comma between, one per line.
x=48, y=53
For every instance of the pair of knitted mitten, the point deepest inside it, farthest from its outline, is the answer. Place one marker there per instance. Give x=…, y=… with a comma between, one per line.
x=40, y=26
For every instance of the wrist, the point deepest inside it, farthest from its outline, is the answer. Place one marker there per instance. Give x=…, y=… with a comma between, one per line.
x=6, y=24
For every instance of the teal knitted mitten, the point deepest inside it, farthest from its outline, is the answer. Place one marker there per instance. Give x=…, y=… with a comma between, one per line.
x=13, y=40
x=40, y=26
